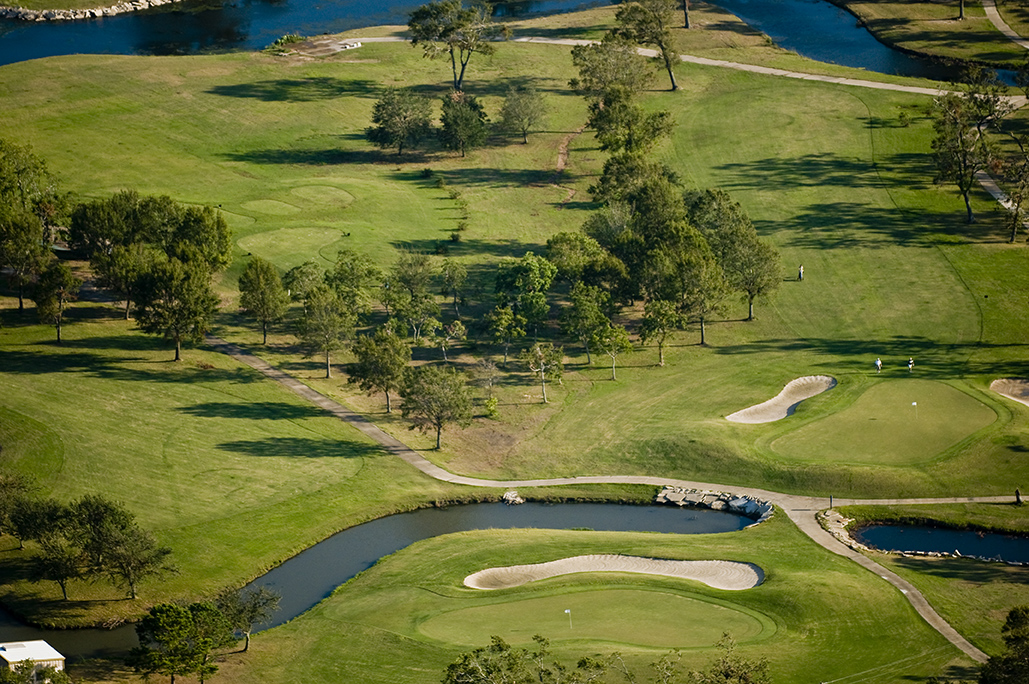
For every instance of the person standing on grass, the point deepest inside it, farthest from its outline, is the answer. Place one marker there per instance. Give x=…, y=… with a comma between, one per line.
x=911, y=365
x=800, y=272
x=878, y=365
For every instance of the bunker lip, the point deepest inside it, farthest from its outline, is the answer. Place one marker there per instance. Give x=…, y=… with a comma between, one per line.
x=1016, y=389
x=785, y=403
x=718, y=574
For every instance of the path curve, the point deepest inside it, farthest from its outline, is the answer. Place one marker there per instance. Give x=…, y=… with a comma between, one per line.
x=802, y=510
x=998, y=22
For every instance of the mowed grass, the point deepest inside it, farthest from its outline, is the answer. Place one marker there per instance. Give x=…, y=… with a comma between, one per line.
x=893, y=423
x=817, y=617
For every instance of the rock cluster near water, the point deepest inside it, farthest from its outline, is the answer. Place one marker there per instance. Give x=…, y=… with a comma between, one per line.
x=511, y=498
x=718, y=501
x=69, y=14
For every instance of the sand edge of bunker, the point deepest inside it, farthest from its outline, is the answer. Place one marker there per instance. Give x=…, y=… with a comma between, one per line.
x=727, y=575
x=785, y=403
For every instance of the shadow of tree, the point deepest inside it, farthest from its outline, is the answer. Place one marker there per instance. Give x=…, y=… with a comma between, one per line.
x=301, y=447
x=308, y=89
x=258, y=410
x=965, y=569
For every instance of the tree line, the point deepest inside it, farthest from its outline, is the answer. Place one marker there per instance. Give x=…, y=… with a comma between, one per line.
x=91, y=538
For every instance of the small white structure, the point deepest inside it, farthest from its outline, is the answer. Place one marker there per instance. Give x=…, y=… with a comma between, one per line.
x=39, y=652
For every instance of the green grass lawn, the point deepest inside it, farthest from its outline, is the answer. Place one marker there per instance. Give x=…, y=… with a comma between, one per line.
x=236, y=474
x=893, y=423
x=817, y=617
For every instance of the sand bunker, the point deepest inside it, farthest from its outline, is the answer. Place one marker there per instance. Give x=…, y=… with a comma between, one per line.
x=718, y=574
x=784, y=403
x=1012, y=388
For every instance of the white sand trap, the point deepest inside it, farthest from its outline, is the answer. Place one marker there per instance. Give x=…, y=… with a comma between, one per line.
x=1012, y=388
x=784, y=403
x=718, y=574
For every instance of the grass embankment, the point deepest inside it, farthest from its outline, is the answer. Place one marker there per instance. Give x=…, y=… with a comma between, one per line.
x=817, y=617
x=933, y=29
x=973, y=596
x=892, y=272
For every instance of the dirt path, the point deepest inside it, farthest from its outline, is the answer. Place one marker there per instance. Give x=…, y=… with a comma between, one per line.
x=802, y=510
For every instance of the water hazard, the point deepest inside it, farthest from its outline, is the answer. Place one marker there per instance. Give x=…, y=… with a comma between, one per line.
x=312, y=575
x=1000, y=547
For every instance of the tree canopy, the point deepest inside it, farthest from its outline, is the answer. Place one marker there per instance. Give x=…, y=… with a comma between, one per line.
x=175, y=300
x=447, y=28
x=435, y=397
x=401, y=118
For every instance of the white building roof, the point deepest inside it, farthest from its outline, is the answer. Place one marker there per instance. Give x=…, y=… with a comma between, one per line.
x=17, y=651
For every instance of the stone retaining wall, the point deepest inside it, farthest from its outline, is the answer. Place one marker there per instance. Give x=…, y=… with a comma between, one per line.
x=67, y=15
x=718, y=501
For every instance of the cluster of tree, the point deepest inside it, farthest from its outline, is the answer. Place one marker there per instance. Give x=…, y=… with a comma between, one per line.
x=1012, y=666
x=89, y=538
x=499, y=663
x=402, y=118
x=30, y=210
x=182, y=639
x=27, y=672
x=159, y=256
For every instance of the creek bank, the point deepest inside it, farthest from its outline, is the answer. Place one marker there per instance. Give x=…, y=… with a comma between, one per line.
x=23, y=14
x=748, y=506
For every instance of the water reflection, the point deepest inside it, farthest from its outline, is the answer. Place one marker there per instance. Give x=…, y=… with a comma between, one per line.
x=940, y=540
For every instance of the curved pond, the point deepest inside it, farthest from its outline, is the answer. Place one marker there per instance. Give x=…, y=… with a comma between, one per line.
x=312, y=575
x=902, y=538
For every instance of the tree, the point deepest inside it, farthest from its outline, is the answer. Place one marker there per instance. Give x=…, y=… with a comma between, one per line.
x=543, y=358
x=486, y=375
x=454, y=276
x=412, y=272
x=622, y=125
x=201, y=233
x=649, y=22
x=524, y=284
x=22, y=249
x=98, y=524
x=211, y=630
x=750, y=265
x=436, y=397
x=166, y=643
x=612, y=340
x=960, y=145
x=15, y=489
x=245, y=608
x=463, y=122
x=58, y=560
x=587, y=314
x=451, y=333
x=381, y=361
x=660, y=319
x=175, y=300
x=731, y=668
x=497, y=663
x=261, y=294
x=401, y=118
x=300, y=280
x=1012, y=666
x=623, y=176
x=134, y=556
x=28, y=672
x=25, y=181
x=574, y=254
x=326, y=324
x=57, y=287
x=444, y=27
x=505, y=326
x=611, y=63
x=120, y=270
x=36, y=517
x=523, y=110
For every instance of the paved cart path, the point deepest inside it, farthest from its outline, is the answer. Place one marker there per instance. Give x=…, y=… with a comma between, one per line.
x=802, y=510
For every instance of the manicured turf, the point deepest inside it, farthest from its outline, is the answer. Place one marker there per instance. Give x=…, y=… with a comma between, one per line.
x=893, y=423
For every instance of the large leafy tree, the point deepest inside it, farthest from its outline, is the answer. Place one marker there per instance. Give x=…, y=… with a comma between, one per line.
x=961, y=121
x=59, y=560
x=98, y=523
x=134, y=556
x=245, y=608
x=23, y=250
x=587, y=313
x=464, y=122
x=505, y=326
x=351, y=277
x=454, y=276
x=622, y=125
x=327, y=324
x=524, y=284
x=261, y=294
x=524, y=108
x=447, y=28
x=381, y=360
x=300, y=280
x=612, y=63
x=166, y=643
x=401, y=118
x=649, y=22
x=175, y=300
x=56, y=288
x=1012, y=666
x=435, y=397
x=661, y=319
x=26, y=185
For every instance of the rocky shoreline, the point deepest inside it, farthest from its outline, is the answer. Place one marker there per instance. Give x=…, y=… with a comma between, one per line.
x=22, y=14
x=717, y=501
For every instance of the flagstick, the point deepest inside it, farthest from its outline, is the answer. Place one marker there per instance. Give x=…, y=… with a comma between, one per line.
x=568, y=610
x=915, y=404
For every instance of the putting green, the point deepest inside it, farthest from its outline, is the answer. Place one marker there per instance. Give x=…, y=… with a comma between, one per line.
x=289, y=247
x=898, y=422
x=637, y=617
x=324, y=194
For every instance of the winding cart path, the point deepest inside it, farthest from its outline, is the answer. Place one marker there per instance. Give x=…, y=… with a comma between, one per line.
x=802, y=510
